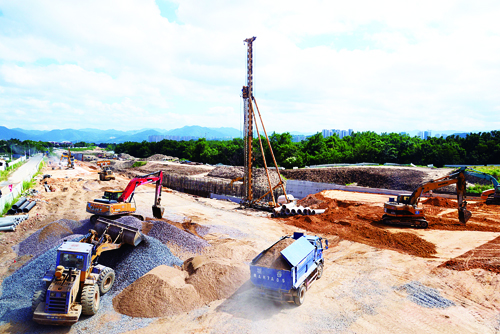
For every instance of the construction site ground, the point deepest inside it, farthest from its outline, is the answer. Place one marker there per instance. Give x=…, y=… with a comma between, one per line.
x=377, y=278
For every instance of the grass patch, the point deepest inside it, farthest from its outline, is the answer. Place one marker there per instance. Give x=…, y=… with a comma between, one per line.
x=492, y=170
x=479, y=188
x=79, y=149
x=139, y=164
x=4, y=175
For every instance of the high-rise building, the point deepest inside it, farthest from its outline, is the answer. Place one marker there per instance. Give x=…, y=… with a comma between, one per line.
x=427, y=134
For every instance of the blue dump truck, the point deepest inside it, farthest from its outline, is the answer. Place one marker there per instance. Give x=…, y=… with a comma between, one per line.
x=286, y=270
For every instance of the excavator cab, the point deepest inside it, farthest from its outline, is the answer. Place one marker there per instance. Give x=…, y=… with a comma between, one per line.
x=404, y=199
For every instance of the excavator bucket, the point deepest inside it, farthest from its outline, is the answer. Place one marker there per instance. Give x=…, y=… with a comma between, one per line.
x=119, y=233
x=464, y=215
x=158, y=211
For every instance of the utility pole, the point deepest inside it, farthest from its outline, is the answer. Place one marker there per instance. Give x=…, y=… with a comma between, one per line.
x=248, y=122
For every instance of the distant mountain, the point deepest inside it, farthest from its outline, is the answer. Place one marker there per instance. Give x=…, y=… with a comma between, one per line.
x=114, y=136
x=6, y=134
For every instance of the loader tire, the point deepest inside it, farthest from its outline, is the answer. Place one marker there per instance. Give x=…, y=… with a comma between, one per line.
x=90, y=299
x=106, y=280
x=38, y=297
x=301, y=293
x=320, y=270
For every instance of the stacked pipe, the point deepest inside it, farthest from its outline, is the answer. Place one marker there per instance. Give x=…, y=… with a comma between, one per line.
x=23, y=205
x=10, y=223
x=291, y=209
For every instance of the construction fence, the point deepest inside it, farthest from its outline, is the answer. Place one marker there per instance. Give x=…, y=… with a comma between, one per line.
x=206, y=187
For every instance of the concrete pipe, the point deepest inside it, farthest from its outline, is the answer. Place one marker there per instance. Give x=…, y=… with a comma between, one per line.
x=12, y=212
x=317, y=211
x=7, y=223
x=21, y=208
x=7, y=228
x=19, y=203
x=29, y=206
x=300, y=210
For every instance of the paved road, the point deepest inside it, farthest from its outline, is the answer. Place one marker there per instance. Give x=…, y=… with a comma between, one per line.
x=18, y=175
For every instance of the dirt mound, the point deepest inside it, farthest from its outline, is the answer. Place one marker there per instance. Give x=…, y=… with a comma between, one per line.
x=259, y=175
x=359, y=222
x=373, y=177
x=157, y=157
x=272, y=258
x=215, y=278
x=441, y=202
x=486, y=256
x=310, y=201
x=161, y=292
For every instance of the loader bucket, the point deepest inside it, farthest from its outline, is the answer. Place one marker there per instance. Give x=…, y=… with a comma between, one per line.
x=158, y=211
x=117, y=231
x=464, y=215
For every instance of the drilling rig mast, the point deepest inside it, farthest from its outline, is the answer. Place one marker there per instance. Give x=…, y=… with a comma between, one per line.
x=249, y=118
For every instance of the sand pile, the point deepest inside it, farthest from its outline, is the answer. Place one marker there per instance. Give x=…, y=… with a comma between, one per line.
x=272, y=258
x=161, y=292
x=215, y=278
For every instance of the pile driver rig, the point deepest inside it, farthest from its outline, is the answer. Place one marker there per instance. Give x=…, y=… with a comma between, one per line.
x=249, y=120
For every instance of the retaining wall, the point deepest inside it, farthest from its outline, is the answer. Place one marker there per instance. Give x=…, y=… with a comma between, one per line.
x=300, y=189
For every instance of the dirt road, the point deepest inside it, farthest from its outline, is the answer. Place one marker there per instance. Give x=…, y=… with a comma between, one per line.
x=363, y=289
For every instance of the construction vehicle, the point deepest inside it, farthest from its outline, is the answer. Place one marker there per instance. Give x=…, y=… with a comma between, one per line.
x=304, y=264
x=490, y=196
x=78, y=282
x=117, y=203
x=406, y=210
x=106, y=173
x=69, y=158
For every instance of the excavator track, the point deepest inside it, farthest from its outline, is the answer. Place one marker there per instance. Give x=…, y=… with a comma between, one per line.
x=418, y=223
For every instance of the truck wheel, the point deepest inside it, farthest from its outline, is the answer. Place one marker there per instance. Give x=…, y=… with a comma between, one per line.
x=90, y=299
x=320, y=270
x=106, y=280
x=301, y=293
x=38, y=297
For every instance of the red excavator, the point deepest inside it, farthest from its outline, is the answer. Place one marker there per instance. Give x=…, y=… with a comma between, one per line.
x=406, y=211
x=117, y=203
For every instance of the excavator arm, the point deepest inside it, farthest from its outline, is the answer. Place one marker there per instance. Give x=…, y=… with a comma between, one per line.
x=157, y=178
x=456, y=177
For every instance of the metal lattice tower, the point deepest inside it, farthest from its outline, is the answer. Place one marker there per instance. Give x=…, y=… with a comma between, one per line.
x=248, y=122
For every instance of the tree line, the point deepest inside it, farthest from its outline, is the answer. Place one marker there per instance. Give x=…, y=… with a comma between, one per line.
x=15, y=146
x=474, y=149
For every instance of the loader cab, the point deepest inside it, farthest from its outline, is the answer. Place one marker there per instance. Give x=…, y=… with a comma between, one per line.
x=74, y=255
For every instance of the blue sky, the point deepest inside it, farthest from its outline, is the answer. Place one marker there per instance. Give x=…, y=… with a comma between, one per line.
x=363, y=65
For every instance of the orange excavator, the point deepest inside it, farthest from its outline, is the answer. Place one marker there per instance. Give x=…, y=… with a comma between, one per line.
x=406, y=210
x=117, y=203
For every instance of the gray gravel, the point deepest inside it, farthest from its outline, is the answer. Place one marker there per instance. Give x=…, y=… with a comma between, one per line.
x=166, y=232
x=425, y=296
x=128, y=262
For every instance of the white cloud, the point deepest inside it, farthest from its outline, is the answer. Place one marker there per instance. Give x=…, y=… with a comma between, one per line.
x=383, y=66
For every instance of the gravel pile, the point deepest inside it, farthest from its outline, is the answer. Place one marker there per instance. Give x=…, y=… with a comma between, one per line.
x=425, y=296
x=128, y=262
x=231, y=232
x=131, y=221
x=45, y=238
x=166, y=232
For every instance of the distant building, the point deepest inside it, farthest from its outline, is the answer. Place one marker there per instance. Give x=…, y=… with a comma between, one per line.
x=340, y=133
x=326, y=133
x=350, y=131
x=420, y=135
x=298, y=138
x=427, y=134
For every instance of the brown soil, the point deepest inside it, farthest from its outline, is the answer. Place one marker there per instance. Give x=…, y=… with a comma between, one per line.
x=353, y=221
x=161, y=292
x=441, y=202
x=312, y=202
x=273, y=258
x=486, y=256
